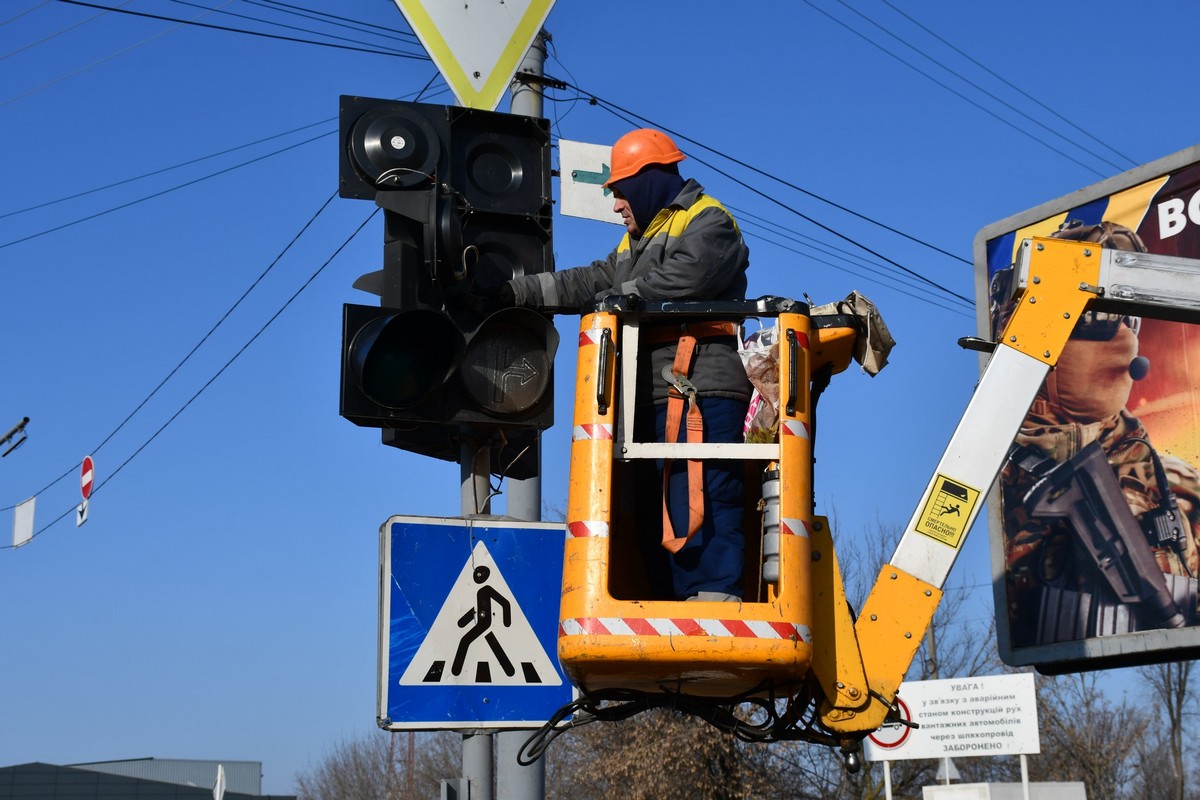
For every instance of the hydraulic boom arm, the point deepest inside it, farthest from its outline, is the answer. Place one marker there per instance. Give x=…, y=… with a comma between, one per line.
x=1056, y=282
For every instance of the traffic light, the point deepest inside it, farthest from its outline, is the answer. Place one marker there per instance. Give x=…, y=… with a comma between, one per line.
x=466, y=202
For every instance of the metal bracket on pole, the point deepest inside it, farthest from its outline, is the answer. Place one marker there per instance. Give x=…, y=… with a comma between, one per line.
x=19, y=428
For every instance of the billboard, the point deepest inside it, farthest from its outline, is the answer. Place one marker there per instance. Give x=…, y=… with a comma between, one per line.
x=1116, y=425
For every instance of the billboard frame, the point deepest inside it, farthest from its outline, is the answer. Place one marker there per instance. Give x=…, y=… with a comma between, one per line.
x=1121, y=650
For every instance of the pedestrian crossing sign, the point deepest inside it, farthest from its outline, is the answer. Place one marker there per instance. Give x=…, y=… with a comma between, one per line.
x=469, y=623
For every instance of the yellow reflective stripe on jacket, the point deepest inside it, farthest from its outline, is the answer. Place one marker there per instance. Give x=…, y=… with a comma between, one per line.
x=673, y=221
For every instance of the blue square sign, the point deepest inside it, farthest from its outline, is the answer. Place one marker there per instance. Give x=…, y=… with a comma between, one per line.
x=468, y=623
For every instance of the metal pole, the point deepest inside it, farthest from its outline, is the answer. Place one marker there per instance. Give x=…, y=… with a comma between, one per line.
x=477, y=765
x=527, y=95
x=412, y=763
x=525, y=496
x=513, y=781
x=474, y=468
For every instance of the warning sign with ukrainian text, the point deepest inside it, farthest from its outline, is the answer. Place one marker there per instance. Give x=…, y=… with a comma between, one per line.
x=948, y=511
x=995, y=715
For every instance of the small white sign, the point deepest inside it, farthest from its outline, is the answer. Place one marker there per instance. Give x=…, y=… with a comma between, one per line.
x=989, y=716
x=583, y=169
x=23, y=521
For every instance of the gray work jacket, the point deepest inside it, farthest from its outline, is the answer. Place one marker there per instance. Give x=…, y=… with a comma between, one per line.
x=691, y=250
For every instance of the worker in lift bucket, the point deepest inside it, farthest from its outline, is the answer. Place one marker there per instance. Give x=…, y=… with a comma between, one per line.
x=679, y=244
x=1061, y=585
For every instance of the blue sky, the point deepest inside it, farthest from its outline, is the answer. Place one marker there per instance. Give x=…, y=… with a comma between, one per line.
x=221, y=600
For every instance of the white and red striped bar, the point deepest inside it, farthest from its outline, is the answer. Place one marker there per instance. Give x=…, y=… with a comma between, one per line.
x=591, y=431
x=585, y=528
x=664, y=626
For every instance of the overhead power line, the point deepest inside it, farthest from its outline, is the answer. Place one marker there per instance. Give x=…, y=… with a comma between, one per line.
x=407, y=37
x=90, y=65
x=613, y=107
x=189, y=162
x=976, y=86
x=243, y=348
x=998, y=117
x=216, y=375
x=20, y=14
x=192, y=352
x=1010, y=84
x=630, y=116
x=47, y=38
x=777, y=178
x=163, y=170
x=210, y=26
x=839, y=259
x=264, y=21
x=205, y=338
x=159, y=193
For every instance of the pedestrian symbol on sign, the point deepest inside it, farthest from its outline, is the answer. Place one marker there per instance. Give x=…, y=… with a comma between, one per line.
x=479, y=610
x=482, y=615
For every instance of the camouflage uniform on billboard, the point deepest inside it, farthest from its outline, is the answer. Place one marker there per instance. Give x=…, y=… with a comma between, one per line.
x=1056, y=589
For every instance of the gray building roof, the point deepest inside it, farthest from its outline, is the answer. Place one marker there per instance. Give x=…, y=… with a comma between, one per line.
x=240, y=776
x=38, y=781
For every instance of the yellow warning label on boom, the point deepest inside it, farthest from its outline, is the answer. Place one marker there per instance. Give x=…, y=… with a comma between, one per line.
x=948, y=511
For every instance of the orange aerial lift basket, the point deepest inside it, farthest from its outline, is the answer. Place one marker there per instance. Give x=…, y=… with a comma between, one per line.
x=613, y=636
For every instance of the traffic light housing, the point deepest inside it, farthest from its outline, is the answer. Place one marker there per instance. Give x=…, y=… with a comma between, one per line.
x=465, y=194
x=466, y=203
x=416, y=366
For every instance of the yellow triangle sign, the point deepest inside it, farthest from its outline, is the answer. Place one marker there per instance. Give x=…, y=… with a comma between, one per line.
x=477, y=45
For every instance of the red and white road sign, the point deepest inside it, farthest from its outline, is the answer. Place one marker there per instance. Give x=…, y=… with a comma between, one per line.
x=87, y=477
x=893, y=734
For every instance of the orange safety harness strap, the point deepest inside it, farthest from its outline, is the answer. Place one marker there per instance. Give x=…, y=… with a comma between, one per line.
x=681, y=388
x=695, y=433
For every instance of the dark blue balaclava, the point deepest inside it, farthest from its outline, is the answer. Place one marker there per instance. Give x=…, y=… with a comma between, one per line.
x=650, y=191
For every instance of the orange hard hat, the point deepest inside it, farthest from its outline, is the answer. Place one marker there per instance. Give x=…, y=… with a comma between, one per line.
x=639, y=149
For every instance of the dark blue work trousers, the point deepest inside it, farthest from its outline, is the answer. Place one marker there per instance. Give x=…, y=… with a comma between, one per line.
x=713, y=560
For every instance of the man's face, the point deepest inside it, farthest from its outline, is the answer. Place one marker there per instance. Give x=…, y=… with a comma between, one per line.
x=621, y=206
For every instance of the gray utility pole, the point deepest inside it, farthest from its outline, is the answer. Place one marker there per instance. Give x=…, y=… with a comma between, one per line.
x=513, y=781
x=475, y=469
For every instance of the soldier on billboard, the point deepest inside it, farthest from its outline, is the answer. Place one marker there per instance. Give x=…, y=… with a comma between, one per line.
x=1099, y=525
